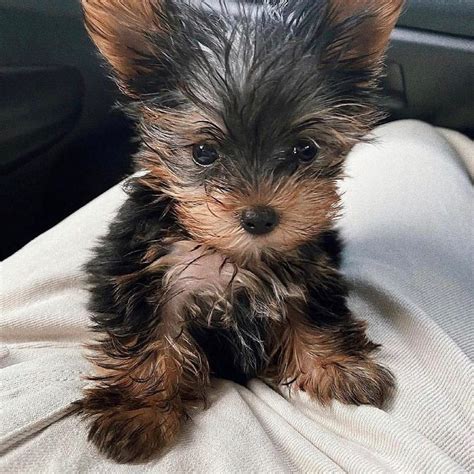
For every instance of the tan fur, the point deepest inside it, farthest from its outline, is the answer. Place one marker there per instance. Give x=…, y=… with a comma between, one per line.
x=313, y=360
x=119, y=29
x=371, y=38
x=306, y=208
x=138, y=404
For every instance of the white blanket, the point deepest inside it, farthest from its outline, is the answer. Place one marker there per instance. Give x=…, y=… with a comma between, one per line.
x=408, y=225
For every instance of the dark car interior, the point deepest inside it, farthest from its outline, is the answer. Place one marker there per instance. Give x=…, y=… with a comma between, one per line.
x=62, y=141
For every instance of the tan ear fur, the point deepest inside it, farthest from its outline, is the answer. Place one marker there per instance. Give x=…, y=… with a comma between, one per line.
x=121, y=29
x=370, y=38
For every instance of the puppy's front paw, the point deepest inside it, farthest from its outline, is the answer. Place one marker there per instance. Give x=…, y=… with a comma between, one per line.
x=133, y=435
x=351, y=380
x=132, y=432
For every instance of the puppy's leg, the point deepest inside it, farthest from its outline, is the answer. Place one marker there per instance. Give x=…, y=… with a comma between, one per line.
x=142, y=394
x=148, y=371
x=321, y=348
x=331, y=362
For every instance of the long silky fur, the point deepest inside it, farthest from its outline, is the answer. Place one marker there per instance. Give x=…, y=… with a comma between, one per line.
x=250, y=81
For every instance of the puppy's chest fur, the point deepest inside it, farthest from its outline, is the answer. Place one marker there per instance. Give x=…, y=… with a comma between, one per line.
x=216, y=301
x=234, y=312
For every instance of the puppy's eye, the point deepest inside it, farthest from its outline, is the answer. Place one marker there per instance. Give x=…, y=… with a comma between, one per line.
x=204, y=154
x=305, y=150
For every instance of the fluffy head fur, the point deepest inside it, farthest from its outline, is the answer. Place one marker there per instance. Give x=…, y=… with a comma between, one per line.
x=252, y=85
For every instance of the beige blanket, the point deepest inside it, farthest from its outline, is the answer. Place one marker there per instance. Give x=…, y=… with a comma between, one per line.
x=408, y=224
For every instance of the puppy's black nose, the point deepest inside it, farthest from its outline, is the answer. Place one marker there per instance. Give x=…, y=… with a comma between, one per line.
x=259, y=220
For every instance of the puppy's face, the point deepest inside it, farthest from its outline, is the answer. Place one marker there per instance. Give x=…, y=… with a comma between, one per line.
x=246, y=120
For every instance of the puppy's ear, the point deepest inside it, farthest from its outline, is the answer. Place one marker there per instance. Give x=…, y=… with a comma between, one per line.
x=131, y=35
x=363, y=29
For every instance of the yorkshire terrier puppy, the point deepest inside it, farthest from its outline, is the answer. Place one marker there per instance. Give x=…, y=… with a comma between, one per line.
x=224, y=259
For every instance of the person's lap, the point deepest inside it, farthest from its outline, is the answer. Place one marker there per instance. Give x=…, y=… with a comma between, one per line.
x=408, y=228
